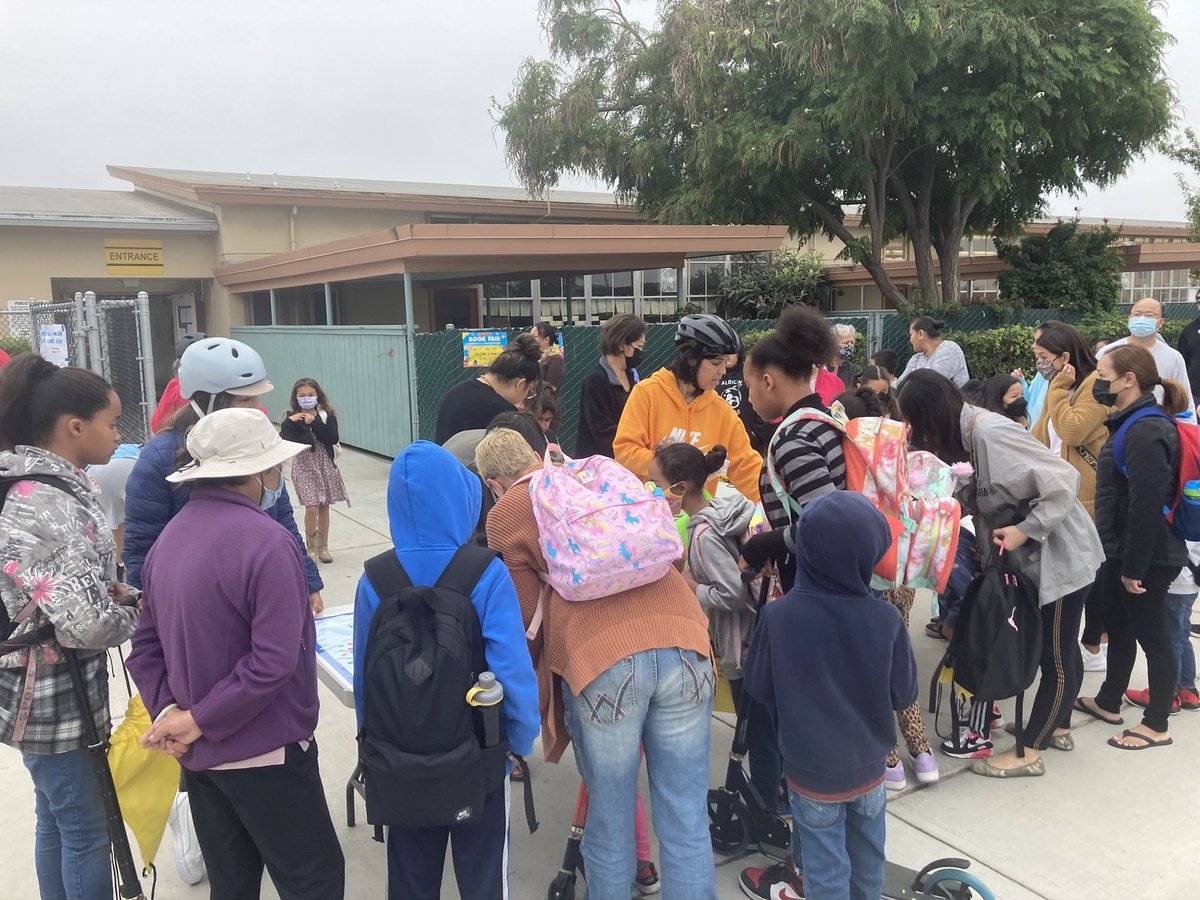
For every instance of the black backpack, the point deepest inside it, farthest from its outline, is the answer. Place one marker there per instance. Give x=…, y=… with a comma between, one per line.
x=997, y=644
x=421, y=746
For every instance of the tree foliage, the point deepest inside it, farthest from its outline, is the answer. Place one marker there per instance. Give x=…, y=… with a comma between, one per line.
x=762, y=288
x=929, y=118
x=1185, y=149
x=1067, y=268
x=996, y=351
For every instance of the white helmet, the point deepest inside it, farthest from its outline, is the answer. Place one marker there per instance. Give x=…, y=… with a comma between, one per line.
x=216, y=365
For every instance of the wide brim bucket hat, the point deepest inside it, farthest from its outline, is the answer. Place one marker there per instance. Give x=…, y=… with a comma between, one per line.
x=234, y=443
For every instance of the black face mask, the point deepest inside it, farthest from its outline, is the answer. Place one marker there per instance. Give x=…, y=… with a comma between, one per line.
x=1102, y=392
x=1018, y=409
x=635, y=359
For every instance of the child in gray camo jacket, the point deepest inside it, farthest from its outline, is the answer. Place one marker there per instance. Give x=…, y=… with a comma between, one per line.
x=58, y=582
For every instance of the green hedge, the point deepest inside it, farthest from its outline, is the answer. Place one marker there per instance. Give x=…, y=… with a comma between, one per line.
x=997, y=351
x=14, y=345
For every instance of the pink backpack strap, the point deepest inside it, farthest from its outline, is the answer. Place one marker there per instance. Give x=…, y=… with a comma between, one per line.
x=535, y=624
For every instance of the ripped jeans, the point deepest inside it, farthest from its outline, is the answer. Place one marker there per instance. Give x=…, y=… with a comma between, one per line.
x=662, y=700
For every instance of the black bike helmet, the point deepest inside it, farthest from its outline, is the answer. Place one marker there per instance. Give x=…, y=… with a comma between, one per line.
x=708, y=334
x=186, y=341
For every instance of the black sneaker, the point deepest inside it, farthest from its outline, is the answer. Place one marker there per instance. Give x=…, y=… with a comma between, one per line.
x=969, y=745
x=778, y=882
x=647, y=878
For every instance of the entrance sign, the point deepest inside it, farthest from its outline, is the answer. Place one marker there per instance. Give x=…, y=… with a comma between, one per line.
x=133, y=256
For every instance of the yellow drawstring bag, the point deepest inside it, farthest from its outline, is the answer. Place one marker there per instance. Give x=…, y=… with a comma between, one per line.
x=146, y=781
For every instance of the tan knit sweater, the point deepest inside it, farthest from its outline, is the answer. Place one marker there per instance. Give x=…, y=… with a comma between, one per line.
x=1080, y=422
x=581, y=640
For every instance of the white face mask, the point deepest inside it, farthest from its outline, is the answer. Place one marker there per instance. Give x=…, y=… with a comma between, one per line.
x=306, y=402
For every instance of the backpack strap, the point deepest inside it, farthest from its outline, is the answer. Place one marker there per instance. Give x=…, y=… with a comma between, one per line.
x=386, y=574
x=806, y=413
x=465, y=568
x=1122, y=432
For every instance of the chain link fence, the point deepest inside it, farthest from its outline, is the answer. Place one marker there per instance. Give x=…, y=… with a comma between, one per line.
x=110, y=337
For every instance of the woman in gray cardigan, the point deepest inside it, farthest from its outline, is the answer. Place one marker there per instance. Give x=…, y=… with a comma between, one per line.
x=1026, y=499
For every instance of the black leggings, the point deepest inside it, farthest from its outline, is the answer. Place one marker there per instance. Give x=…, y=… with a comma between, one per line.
x=1062, y=670
x=1134, y=619
x=1093, y=616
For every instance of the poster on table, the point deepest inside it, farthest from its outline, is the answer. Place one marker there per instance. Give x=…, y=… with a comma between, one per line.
x=480, y=348
x=52, y=344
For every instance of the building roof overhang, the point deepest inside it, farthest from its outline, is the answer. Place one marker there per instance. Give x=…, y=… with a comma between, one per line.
x=475, y=253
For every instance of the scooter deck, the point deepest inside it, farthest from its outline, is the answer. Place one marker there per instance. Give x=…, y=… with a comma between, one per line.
x=898, y=881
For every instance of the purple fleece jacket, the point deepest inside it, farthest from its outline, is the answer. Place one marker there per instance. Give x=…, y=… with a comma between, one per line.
x=226, y=630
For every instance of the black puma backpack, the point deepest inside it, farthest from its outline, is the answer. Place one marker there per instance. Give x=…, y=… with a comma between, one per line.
x=421, y=743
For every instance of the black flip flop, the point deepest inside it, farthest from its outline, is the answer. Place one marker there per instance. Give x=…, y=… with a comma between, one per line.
x=934, y=630
x=1079, y=707
x=1146, y=744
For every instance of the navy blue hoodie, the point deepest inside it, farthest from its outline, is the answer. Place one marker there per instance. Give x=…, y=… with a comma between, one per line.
x=831, y=656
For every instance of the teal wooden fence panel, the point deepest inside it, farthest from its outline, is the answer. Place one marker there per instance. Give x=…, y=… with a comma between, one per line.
x=363, y=369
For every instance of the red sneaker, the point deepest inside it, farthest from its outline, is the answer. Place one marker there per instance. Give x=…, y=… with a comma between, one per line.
x=1142, y=699
x=778, y=882
x=1188, y=699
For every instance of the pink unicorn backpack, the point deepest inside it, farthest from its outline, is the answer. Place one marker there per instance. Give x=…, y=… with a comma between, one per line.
x=601, y=531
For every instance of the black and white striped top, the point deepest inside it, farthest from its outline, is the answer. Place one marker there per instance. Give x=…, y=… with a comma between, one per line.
x=809, y=461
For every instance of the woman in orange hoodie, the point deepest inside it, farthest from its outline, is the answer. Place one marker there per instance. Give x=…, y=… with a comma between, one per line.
x=680, y=405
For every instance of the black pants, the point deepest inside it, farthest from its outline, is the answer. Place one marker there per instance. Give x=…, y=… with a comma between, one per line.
x=1093, y=616
x=1062, y=670
x=762, y=747
x=273, y=815
x=1134, y=619
x=417, y=856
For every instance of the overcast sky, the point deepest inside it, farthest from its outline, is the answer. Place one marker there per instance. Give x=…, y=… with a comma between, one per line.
x=358, y=88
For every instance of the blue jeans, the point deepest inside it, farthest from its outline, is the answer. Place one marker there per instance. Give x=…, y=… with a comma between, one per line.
x=1179, y=623
x=842, y=844
x=71, y=851
x=660, y=700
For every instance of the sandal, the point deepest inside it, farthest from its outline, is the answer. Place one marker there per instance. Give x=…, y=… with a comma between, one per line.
x=1081, y=707
x=934, y=630
x=1146, y=742
x=985, y=767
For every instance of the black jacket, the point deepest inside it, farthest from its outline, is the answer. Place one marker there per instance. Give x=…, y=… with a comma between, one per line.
x=1189, y=348
x=1129, y=510
x=601, y=401
x=849, y=373
x=734, y=391
x=322, y=434
x=467, y=406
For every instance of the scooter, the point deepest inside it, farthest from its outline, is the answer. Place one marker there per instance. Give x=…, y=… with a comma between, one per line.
x=942, y=879
x=563, y=885
x=738, y=817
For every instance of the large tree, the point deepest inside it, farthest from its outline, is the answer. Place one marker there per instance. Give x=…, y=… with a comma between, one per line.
x=931, y=118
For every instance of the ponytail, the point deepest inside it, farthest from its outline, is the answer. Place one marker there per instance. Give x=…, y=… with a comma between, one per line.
x=35, y=394
x=688, y=463
x=1176, y=398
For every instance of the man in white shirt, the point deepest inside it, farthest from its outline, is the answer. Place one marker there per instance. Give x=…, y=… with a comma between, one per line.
x=1145, y=323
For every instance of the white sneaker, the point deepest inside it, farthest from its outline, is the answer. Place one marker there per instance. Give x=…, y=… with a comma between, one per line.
x=189, y=860
x=1095, y=662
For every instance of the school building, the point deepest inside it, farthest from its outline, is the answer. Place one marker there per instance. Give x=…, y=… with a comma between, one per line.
x=217, y=250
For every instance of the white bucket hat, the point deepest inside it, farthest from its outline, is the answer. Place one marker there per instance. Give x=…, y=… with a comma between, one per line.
x=232, y=443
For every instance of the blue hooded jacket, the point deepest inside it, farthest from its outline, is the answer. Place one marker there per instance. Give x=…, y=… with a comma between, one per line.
x=433, y=507
x=831, y=656
x=151, y=502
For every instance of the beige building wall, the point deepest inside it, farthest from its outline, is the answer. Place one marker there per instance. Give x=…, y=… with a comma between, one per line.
x=31, y=258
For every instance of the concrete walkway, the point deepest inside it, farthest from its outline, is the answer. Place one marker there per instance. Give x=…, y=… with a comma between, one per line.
x=1101, y=823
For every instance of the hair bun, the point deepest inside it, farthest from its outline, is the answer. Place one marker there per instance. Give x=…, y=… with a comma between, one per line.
x=939, y=324
x=715, y=458
x=526, y=345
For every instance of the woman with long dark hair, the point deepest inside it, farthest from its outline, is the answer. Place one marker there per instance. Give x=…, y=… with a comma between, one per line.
x=1074, y=425
x=58, y=582
x=1137, y=476
x=1023, y=498
x=502, y=388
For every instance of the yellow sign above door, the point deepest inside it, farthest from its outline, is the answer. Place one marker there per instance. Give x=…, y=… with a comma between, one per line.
x=133, y=256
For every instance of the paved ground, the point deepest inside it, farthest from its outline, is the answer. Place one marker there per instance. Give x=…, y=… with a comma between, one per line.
x=1101, y=823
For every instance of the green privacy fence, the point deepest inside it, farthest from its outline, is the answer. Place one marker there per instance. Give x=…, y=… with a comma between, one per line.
x=440, y=364
x=363, y=369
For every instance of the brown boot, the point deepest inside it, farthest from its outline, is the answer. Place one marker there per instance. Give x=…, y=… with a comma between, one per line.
x=323, y=553
x=310, y=543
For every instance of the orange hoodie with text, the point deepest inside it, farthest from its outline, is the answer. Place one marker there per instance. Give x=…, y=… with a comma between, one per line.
x=655, y=410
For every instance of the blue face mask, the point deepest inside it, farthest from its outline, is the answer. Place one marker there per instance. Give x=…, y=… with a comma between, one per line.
x=270, y=497
x=1142, y=326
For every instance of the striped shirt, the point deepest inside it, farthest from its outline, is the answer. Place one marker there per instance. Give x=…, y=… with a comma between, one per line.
x=809, y=461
